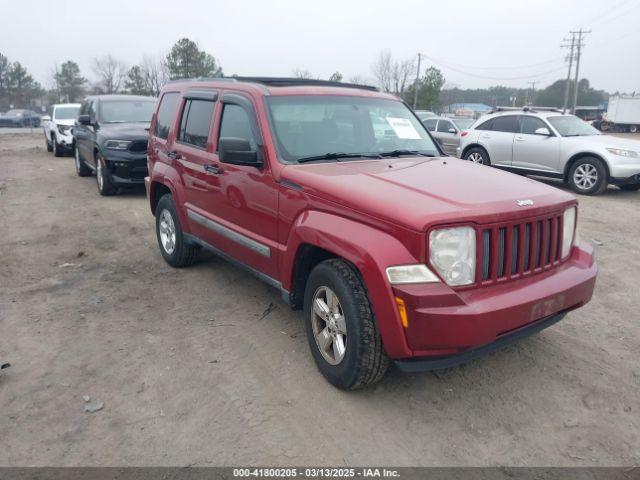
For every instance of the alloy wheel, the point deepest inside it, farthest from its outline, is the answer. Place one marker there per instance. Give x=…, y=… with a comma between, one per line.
x=77, y=157
x=475, y=157
x=329, y=325
x=99, y=175
x=167, y=231
x=585, y=176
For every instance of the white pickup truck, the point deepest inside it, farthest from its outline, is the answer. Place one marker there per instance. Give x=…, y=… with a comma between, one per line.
x=57, y=127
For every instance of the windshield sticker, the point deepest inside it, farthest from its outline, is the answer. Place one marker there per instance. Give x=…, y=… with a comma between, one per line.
x=403, y=128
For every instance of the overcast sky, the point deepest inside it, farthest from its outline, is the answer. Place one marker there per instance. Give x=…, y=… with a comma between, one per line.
x=468, y=40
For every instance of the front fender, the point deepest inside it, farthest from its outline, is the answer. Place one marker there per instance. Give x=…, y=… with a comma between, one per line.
x=370, y=250
x=165, y=175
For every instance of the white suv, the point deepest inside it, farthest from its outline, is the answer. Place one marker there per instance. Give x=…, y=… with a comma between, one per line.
x=57, y=127
x=546, y=142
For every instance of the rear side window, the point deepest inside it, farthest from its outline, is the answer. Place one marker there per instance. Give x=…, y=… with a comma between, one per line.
x=236, y=123
x=485, y=125
x=166, y=114
x=196, y=122
x=430, y=124
x=507, y=124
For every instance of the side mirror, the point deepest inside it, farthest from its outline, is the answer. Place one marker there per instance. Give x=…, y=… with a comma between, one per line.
x=46, y=118
x=237, y=151
x=84, y=120
x=544, y=131
x=453, y=130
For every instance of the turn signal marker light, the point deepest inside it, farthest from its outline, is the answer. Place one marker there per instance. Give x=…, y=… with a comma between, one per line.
x=402, y=310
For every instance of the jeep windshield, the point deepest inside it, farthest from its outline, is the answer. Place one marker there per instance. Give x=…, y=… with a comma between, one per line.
x=339, y=128
x=570, y=126
x=127, y=111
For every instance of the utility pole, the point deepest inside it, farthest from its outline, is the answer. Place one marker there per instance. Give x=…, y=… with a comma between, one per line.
x=579, y=46
x=568, y=83
x=415, y=85
x=533, y=91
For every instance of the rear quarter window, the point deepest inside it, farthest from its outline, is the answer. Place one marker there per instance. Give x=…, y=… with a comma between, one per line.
x=508, y=124
x=166, y=114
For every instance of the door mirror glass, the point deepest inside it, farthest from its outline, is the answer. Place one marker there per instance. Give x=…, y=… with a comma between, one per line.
x=237, y=151
x=452, y=130
x=544, y=131
x=84, y=120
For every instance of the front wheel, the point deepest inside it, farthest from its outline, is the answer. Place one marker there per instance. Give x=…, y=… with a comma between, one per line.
x=173, y=247
x=103, y=178
x=57, y=148
x=588, y=176
x=48, y=144
x=341, y=327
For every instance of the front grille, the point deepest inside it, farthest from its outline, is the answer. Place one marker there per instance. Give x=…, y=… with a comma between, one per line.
x=138, y=146
x=519, y=248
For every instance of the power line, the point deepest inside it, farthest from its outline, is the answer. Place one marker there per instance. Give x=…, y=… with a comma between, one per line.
x=604, y=19
x=516, y=67
x=606, y=12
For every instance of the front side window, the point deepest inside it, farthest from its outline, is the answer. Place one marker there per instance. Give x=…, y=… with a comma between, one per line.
x=507, y=124
x=196, y=122
x=444, y=126
x=66, y=113
x=529, y=125
x=127, y=111
x=572, y=126
x=236, y=124
x=166, y=114
x=310, y=125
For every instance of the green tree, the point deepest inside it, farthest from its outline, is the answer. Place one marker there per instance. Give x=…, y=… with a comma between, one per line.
x=135, y=82
x=69, y=81
x=186, y=60
x=429, y=87
x=20, y=88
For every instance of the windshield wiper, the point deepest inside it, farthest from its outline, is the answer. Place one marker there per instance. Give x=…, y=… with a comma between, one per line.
x=398, y=153
x=336, y=156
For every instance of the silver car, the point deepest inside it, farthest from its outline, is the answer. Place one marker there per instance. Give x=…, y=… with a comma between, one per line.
x=547, y=142
x=448, y=131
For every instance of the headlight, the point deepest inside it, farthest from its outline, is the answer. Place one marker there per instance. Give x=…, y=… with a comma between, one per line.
x=623, y=153
x=63, y=129
x=403, y=274
x=117, y=144
x=568, y=229
x=452, y=251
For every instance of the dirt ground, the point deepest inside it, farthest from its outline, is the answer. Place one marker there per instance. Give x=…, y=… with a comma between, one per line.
x=207, y=366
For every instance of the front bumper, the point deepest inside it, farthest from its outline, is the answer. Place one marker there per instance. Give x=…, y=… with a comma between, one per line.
x=445, y=323
x=126, y=168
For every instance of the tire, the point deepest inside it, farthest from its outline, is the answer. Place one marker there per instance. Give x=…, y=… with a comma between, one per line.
x=81, y=168
x=103, y=178
x=477, y=155
x=588, y=176
x=48, y=143
x=353, y=356
x=633, y=187
x=57, y=149
x=633, y=128
x=177, y=253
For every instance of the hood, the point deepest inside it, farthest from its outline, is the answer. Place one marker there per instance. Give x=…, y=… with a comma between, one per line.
x=125, y=131
x=606, y=141
x=419, y=192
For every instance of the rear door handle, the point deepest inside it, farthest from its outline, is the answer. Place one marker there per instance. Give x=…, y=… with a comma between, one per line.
x=173, y=155
x=213, y=168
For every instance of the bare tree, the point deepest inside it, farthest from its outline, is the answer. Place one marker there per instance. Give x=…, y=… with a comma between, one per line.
x=306, y=74
x=393, y=76
x=154, y=73
x=111, y=73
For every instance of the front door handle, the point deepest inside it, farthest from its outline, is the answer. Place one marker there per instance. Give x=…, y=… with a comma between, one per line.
x=519, y=139
x=173, y=155
x=213, y=168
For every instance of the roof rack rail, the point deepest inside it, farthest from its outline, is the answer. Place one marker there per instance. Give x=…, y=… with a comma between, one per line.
x=280, y=82
x=526, y=108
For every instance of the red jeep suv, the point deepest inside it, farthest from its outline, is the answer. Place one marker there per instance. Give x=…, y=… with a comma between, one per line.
x=336, y=195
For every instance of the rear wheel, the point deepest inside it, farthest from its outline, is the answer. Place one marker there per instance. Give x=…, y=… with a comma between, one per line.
x=103, y=178
x=341, y=327
x=477, y=155
x=588, y=176
x=81, y=168
x=173, y=247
